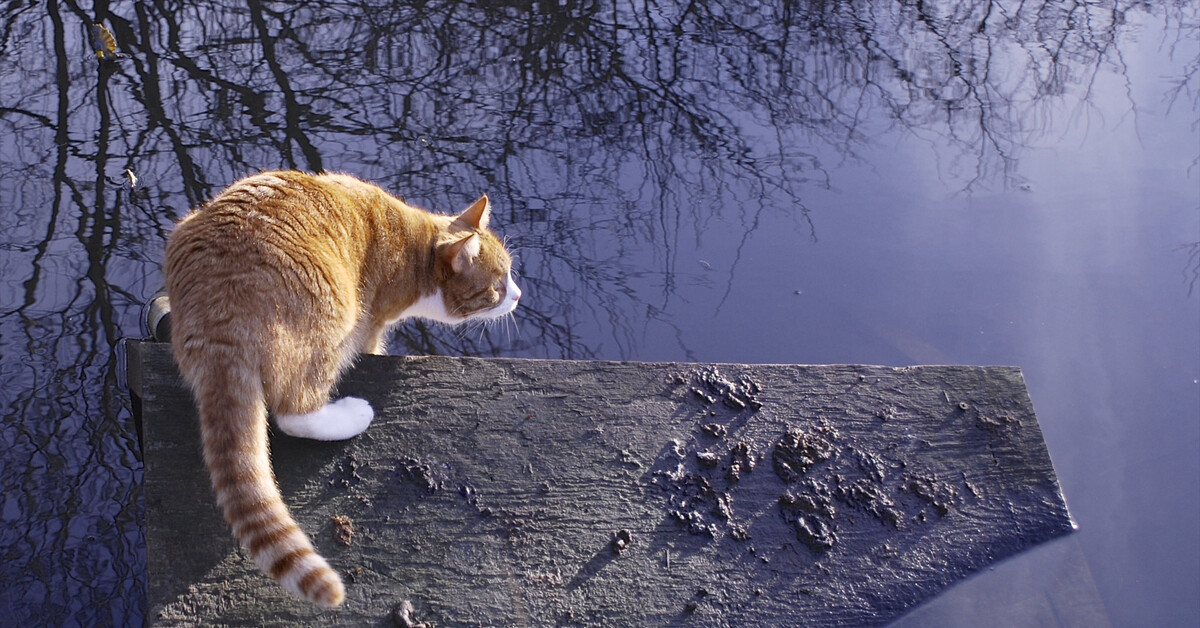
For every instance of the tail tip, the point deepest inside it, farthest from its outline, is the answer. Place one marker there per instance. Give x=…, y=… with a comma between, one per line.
x=330, y=596
x=323, y=588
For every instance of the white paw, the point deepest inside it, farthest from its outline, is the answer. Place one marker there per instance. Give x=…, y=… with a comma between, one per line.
x=339, y=420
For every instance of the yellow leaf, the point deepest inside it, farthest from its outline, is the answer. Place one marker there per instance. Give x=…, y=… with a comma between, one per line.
x=104, y=43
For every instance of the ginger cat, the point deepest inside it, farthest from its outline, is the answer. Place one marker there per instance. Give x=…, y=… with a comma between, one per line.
x=275, y=286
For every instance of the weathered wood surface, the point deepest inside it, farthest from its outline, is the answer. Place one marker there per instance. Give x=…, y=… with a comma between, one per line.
x=539, y=493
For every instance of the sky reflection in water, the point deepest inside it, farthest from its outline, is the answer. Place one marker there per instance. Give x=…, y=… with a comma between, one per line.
x=870, y=182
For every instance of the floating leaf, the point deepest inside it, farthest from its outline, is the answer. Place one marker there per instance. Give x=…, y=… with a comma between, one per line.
x=104, y=43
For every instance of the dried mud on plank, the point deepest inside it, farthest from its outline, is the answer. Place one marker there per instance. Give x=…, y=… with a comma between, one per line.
x=582, y=493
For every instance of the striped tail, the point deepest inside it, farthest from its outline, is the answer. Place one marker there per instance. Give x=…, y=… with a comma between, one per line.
x=233, y=425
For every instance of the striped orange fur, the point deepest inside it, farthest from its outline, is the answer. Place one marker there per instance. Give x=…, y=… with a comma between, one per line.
x=275, y=286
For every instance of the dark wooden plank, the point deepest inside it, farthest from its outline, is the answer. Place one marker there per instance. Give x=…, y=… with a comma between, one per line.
x=490, y=492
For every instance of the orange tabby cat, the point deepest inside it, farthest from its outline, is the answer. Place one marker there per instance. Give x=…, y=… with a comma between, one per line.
x=275, y=286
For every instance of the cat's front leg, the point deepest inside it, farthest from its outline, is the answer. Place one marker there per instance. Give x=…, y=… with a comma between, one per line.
x=337, y=420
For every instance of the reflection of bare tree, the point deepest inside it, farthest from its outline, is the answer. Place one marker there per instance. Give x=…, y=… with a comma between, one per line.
x=328, y=80
x=614, y=137
x=70, y=528
x=613, y=115
x=1191, y=272
x=1186, y=89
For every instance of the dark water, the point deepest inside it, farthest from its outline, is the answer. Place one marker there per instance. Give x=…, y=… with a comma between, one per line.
x=802, y=182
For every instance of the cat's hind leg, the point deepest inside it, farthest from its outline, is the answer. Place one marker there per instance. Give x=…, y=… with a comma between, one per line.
x=304, y=376
x=337, y=420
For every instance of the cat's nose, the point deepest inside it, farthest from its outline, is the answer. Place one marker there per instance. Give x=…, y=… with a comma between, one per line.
x=514, y=292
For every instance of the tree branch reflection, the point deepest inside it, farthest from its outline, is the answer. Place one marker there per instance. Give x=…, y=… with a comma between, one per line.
x=616, y=139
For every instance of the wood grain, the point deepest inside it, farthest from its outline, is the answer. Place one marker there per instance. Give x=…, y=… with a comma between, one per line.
x=541, y=493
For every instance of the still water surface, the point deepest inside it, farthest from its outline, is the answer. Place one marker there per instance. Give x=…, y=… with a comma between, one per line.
x=802, y=182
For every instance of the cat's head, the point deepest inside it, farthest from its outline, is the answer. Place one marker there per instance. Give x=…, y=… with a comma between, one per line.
x=473, y=270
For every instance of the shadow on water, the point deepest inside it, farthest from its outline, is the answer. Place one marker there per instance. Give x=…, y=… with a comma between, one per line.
x=612, y=137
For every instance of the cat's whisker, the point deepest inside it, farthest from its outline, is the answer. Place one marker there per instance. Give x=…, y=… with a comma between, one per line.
x=480, y=328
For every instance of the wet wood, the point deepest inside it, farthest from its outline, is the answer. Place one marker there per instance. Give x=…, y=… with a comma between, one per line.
x=583, y=493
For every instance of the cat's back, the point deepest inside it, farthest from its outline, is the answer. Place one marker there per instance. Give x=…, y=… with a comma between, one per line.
x=278, y=207
x=277, y=219
x=276, y=246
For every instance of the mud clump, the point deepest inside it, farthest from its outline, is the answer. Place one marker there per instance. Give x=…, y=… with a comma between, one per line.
x=811, y=513
x=345, y=474
x=710, y=387
x=820, y=472
x=932, y=491
x=694, y=501
x=402, y=616
x=419, y=473
x=871, y=465
x=817, y=534
x=996, y=423
x=697, y=477
x=698, y=494
x=868, y=495
x=343, y=530
x=621, y=541
x=694, y=522
x=741, y=458
x=798, y=450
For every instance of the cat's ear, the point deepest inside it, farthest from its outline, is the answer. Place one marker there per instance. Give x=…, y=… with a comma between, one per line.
x=476, y=216
x=460, y=253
